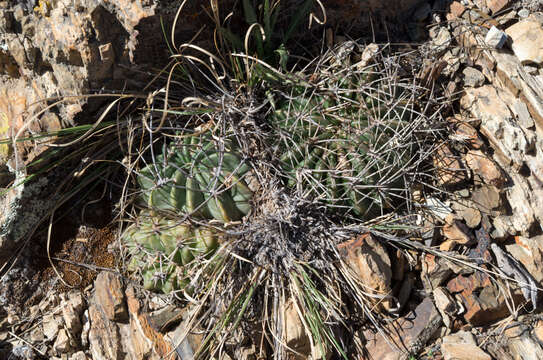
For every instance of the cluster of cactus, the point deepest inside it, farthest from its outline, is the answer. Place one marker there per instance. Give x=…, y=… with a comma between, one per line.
x=161, y=250
x=197, y=177
x=339, y=149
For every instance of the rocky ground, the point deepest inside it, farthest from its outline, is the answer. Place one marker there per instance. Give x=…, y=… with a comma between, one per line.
x=484, y=56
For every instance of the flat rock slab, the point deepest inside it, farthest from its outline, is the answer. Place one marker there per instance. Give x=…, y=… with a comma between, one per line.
x=407, y=334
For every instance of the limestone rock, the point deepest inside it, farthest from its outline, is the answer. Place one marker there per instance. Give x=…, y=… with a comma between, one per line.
x=72, y=308
x=145, y=341
x=521, y=344
x=445, y=304
x=522, y=114
x=295, y=336
x=495, y=38
x=485, y=168
x=496, y=6
x=538, y=330
x=520, y=198
x=456, y=9
x=529, y=252
x=63, y=342
x=104, y=336
x=110, y=295
x=409, y=334
x=467, y=134
x=487, y=198
x=462, y=346
x=435, y=271
x=511, y=73
x=455, y=232
x=369, y=260
x=51, y=326
x=468, y=211
x=80, y=355
x=497, y=124
x=473, y=77
x=526, y=36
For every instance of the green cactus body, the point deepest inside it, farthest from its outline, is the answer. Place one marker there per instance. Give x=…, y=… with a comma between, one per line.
x=198, y=179
x=331, y=151
x=161, y=250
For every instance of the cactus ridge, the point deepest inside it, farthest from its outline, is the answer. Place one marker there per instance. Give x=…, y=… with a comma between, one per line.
x=333, y=150
x=200, y=178
x=162, y=250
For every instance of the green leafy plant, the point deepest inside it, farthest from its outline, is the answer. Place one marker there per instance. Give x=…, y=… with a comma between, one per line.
x=262, y=19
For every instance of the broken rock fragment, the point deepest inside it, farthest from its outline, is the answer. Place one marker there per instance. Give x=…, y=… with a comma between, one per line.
x=526, y=38
x=484, y=168
x=369, y=260
x=462, y=346
x=110, y=295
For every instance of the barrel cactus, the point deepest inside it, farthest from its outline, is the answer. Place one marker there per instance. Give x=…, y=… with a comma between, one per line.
x=198, y=177
x=340, y=147
x=162, y=250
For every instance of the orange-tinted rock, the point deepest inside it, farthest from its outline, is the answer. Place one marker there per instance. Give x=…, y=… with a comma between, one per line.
x=485, y=168
x=368, y=258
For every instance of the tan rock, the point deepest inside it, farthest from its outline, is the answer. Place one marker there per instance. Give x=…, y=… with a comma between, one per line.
x=369, y=260
x=104, y=337
x=487, y=198
x=146, y=341
x=519, y=108
x=460, y=337
x=520, y=199
x=473, y=77
x=72, y=308
x=51, y=326
x=498, y=125
x=455, y=232
x=503, y=227
x=445, y=304
x=526, y=36
x=444, y=301
x=452, y=351
x=63, y=343
x=485, y=168
x=538, y=330
x=496, y=6
x=456, y=9
x=295, y=336
x=408, y=334
x=110, y=295
x=512, y=75
x=468, y=211
x=80, y=355
x=529, y=252
x=521, y=344
x=466, y=133
x=36, y=335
